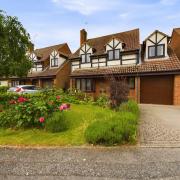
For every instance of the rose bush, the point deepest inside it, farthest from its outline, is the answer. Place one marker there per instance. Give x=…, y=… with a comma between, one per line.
x=28, y=111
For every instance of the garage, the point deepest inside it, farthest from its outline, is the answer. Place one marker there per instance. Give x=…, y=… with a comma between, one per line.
x=156, y=90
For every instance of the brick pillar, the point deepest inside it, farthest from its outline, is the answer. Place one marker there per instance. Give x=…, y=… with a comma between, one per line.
x=137, y=87
x=40, y=83
x=54, y=83
x=72, y=83
x=176, y=97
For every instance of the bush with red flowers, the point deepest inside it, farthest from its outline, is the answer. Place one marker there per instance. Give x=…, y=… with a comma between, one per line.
x=29, y=111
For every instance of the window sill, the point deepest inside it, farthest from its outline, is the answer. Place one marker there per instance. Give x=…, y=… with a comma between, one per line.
x=113, y=59
x=88, y=91
x=156, y=57
x=86, y=63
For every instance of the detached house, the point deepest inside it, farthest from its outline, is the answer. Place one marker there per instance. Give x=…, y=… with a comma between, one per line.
x=51, y=68
x=151, y=69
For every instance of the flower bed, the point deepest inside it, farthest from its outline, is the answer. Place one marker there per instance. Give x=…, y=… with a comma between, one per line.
x=75, y=118
x=29, y=111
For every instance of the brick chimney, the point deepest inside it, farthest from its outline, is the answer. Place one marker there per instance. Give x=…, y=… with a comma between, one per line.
x=83, y=36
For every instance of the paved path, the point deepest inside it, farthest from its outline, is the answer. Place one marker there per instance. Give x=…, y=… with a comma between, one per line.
x=160, y=125
x=90, y=163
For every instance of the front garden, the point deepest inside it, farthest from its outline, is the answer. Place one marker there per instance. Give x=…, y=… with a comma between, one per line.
x=56, y=118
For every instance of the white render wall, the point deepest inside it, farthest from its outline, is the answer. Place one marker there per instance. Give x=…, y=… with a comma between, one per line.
x=61, y=60
x=153, y=38
x=3, y=83
x=102, y=62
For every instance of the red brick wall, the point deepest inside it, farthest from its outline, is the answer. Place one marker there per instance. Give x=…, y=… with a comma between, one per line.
x=62, y=78
x=102, y=86
x=177, y=90
x=175, y=43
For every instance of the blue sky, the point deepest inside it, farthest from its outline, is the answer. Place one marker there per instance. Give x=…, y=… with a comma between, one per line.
x=56, y=21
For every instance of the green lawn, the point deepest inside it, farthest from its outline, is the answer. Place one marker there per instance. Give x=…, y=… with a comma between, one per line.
x=80, y=116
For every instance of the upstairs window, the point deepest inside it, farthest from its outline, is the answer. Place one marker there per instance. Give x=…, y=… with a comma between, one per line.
x=85, y=58
x=160, y=50
x=54, y=62
x=114, y=54
x=156, y=51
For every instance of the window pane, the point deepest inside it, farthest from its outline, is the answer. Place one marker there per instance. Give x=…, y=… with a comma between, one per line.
x=152, y=51
x=131, y=83
x=117, y=54
x=83, y=85
x=78, y=84
x=52, y=63
x=88, y=85
x=110, y=55
x=88, y=58
x=160, y=50
x=83, y=58
x=56, y=61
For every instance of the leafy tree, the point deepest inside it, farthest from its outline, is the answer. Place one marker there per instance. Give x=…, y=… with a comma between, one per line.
x=14, y=45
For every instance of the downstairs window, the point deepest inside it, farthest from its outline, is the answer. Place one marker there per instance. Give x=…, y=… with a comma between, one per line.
x=85, y=85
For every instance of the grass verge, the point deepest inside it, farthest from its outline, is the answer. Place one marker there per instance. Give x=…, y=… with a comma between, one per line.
x=79, y=117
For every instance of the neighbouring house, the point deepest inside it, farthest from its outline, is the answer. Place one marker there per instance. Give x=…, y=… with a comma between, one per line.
x=175, y=44
x=152, y=68
x=51, y=68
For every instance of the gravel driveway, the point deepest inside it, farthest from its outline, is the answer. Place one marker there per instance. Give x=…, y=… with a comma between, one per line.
x=90, y=163
x=160, y=125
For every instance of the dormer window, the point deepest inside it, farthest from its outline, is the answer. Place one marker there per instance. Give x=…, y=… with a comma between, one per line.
x=85, y=53
x=54, y=62
x=156, y=51
x=54, y=58
x=114, y=54
x=86, y=58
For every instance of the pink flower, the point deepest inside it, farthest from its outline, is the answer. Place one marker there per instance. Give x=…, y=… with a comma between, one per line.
x=41, y=119
x=61, y=108
x=64, y=107
x=58, y=97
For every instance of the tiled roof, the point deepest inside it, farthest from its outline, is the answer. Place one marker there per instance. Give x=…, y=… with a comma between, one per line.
x=152, y=66
x=44, y=53
x=130, y=38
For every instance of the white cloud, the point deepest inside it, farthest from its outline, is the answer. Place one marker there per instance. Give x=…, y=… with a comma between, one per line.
x=174, y=16
x=123, y=15
x=86, y=7
x=168, y=2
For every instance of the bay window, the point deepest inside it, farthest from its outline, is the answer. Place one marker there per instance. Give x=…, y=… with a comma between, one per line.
x=85, y=85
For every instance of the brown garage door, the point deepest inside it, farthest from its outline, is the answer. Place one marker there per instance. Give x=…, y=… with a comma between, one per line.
x=157, y=90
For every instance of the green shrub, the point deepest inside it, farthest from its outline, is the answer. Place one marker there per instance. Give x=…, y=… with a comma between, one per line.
x=3, y=89
x=102, y=101
x=7, y=119
x=57, y=123
x=130, y=106
x=118, y=129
